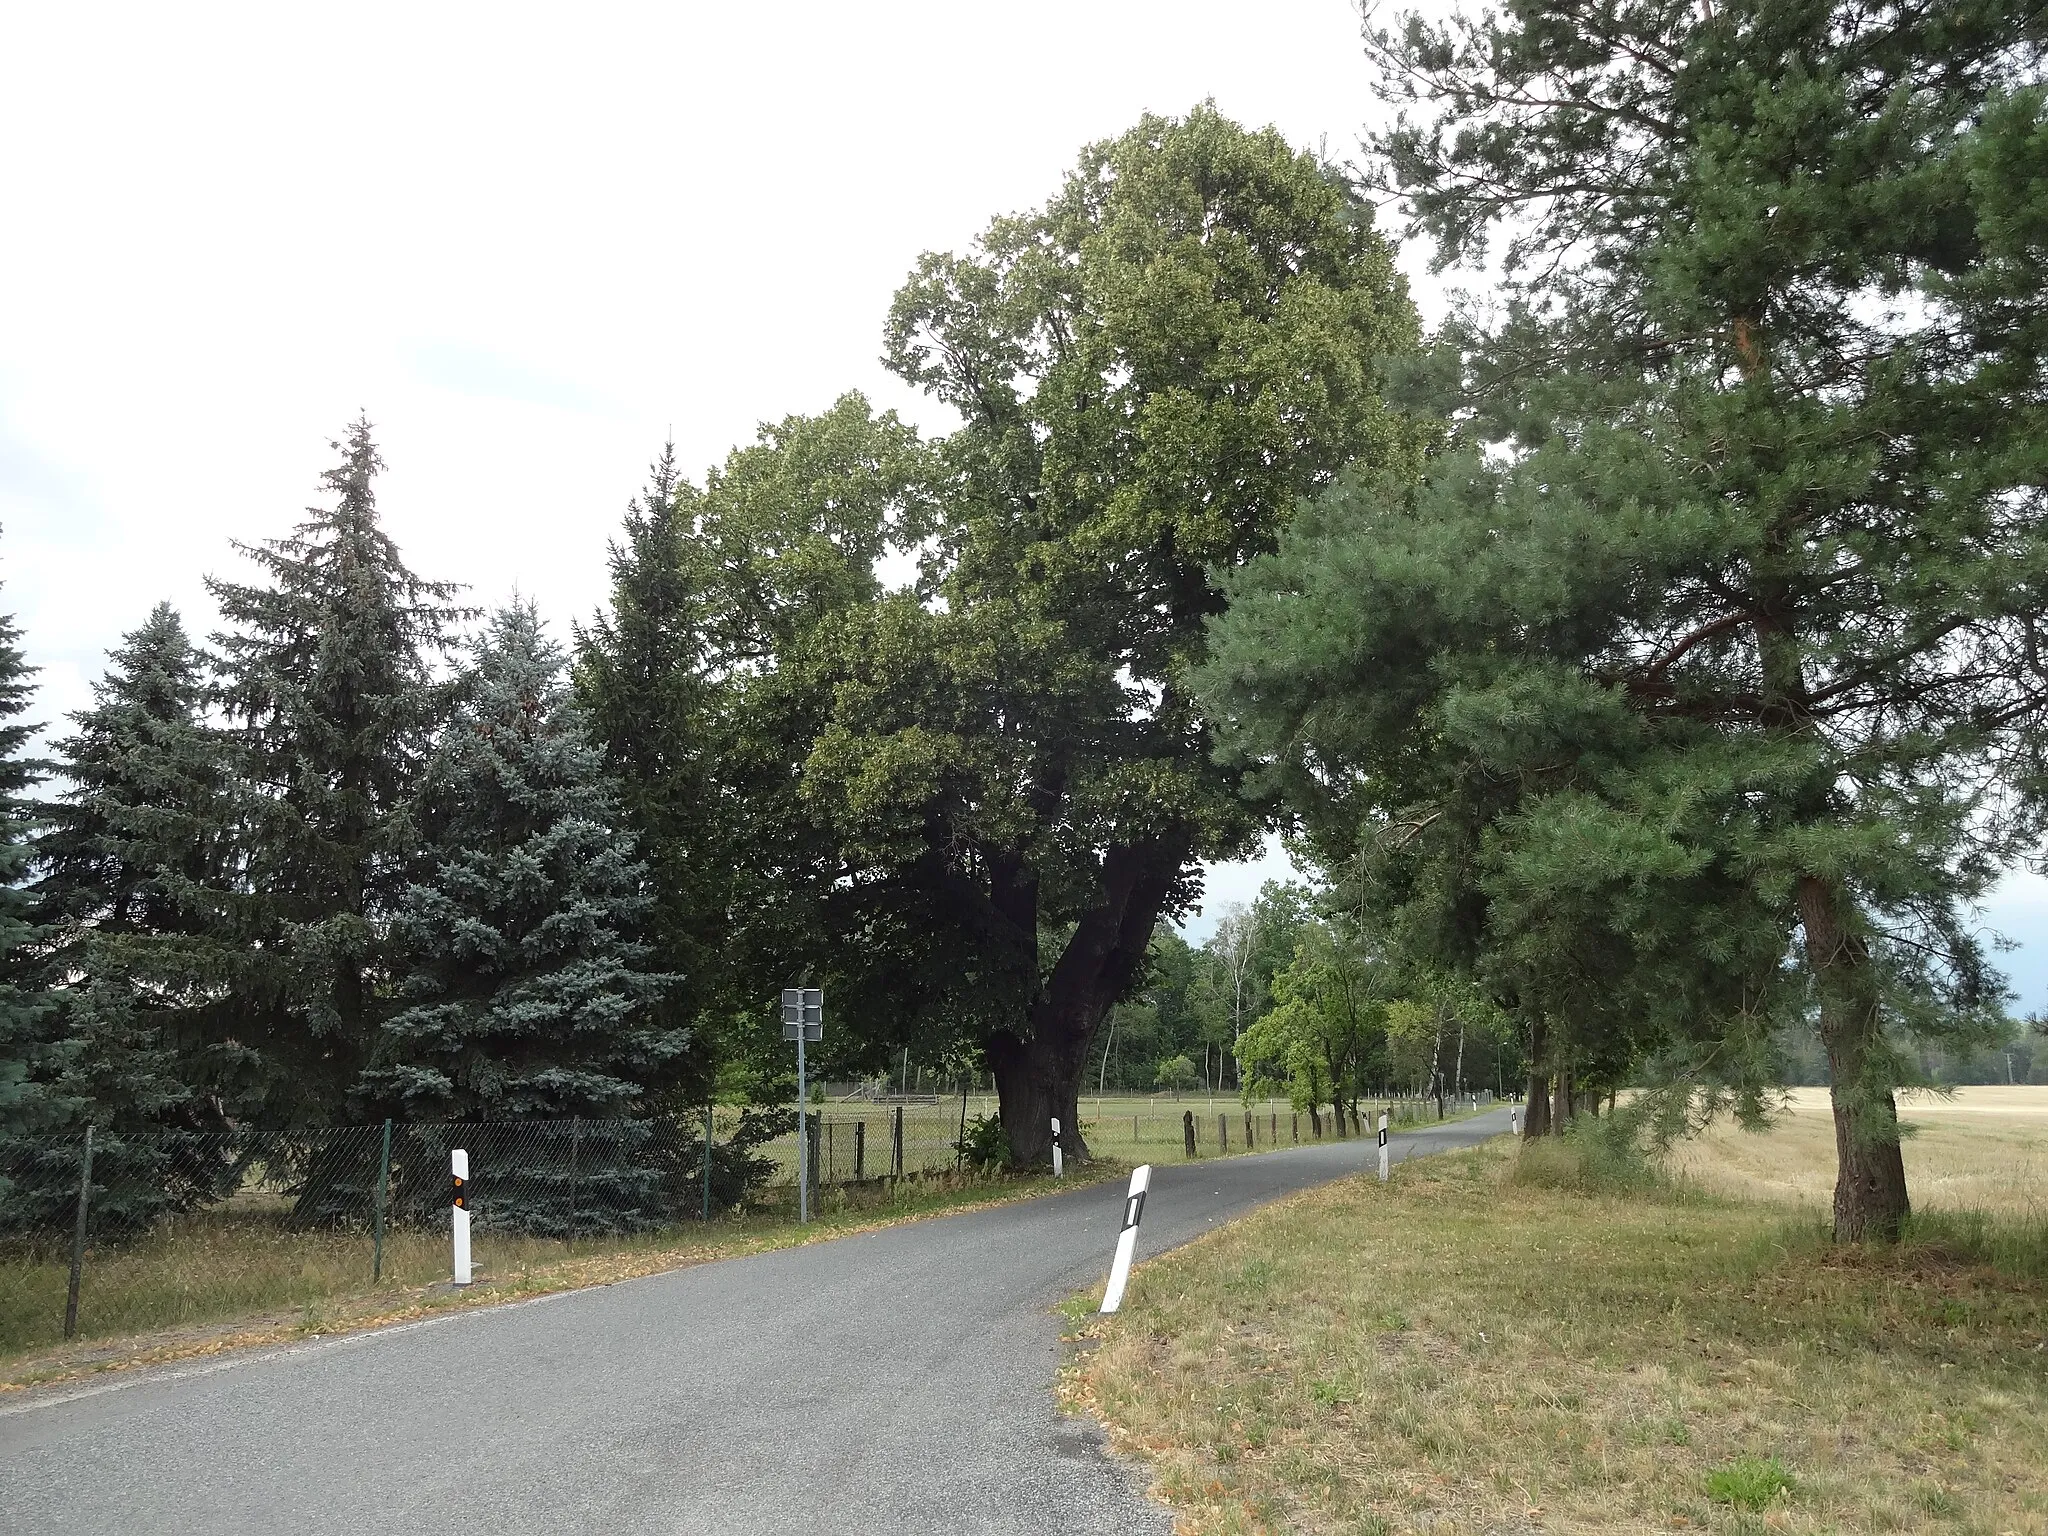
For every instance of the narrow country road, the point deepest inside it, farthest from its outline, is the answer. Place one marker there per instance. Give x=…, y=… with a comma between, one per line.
x=898, y=1381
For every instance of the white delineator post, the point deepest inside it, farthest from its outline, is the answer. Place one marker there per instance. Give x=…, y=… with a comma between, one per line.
x=1383, y=1146
x=1127, y=1240
x=1059, y=1161
x=458, y=1162
x=1515, y=1121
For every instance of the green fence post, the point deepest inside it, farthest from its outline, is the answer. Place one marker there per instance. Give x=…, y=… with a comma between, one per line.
x=383, y=1194
x=707, y=1160
x=78, y=1237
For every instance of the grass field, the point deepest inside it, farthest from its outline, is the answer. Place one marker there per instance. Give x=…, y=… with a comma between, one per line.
x=1979, y=1149
x=1488, y=1347
x=1130, y=1128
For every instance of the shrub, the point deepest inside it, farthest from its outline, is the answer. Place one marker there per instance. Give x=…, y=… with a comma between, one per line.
x=984, y=1147
x=1592, y=1157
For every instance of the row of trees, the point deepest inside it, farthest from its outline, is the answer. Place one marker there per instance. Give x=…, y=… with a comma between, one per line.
x=1648, y=662
x=1290, y=996
x=311, y=875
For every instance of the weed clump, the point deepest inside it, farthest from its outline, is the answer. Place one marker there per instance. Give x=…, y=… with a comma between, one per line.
x=1749, y=1482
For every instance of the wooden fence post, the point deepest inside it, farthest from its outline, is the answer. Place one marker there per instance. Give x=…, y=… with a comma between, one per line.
x=1187, y=1131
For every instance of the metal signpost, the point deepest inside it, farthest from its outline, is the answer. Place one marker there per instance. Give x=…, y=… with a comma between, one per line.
x=803, y=1019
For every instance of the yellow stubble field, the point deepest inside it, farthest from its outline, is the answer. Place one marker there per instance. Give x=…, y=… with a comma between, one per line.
x=1978, y=1149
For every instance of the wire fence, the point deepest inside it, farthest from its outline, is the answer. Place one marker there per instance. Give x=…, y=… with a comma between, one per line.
x=87, y=1198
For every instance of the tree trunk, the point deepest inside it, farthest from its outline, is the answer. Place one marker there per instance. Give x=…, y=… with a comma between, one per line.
x=1870, y=1179
x=1038, y=1071
x=1537, y=1121
x=1536, y=1118
x=1561, y=1103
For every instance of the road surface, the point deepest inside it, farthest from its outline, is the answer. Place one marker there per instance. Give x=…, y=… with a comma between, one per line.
x=897, y=1381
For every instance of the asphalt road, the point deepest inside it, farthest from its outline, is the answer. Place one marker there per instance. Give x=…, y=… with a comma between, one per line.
x=897, y=1381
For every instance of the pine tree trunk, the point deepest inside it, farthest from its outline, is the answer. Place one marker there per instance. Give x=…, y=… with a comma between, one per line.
x=1870, y=1180
x=1536, y=1118
x=1536, y=1122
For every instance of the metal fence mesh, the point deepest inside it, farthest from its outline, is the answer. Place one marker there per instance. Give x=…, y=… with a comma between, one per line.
x=62, y=1199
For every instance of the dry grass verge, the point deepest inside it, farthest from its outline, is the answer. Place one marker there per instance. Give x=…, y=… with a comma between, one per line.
x=1460, y=1352
x=226, y=1282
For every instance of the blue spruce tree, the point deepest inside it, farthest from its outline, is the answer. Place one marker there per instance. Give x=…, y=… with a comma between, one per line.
x=527, y=992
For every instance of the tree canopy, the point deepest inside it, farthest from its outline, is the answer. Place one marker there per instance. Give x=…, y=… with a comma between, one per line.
x=1712, y=629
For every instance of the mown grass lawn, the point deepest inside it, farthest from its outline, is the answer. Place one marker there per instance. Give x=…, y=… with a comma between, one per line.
x=1460, y=1351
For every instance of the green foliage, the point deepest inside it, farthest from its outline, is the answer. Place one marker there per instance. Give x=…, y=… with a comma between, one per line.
x=1149, y=370
x=1711, y=625
x=1750, y=1482
x=984, y=1147
x=527, y=993
x=1326, y=1037
x=33, y=1053
x=1176, y=1074
x=644, y=677
x=136, y=853
x=1605, y=1156
x=327, y=684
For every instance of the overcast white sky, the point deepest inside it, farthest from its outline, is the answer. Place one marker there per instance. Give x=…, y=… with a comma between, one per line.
x=529, y=242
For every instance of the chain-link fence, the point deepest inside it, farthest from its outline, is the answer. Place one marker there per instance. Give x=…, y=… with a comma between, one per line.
x=118, y=1197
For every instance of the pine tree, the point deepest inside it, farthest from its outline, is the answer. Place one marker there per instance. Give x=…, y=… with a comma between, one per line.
x=528, y=992
x=1718, y=633
x=133, y=871
x=642, y=676
x=328, y=685
x=33, y=1052
x=132, y=878
x=528, y=989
